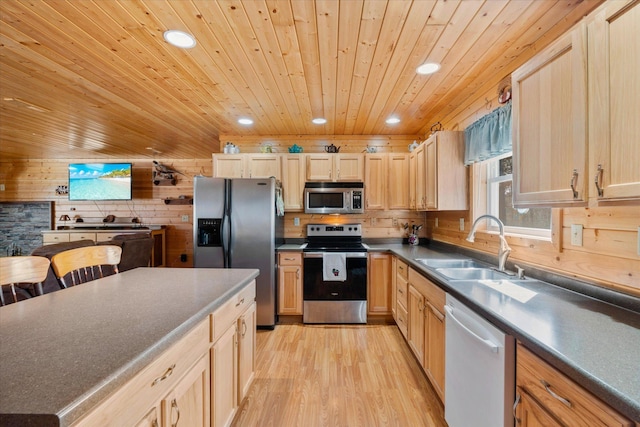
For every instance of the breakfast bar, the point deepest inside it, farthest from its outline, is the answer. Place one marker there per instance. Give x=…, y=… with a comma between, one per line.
x=64, y=353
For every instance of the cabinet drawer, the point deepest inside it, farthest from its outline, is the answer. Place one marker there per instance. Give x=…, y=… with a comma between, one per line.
x=227, y=314
x=562, y=397
x=402, y=293
x=290, y=258
x=129, y=404
x=402, y=270
x=51, y=238
x=73, y=237
x=401, y=319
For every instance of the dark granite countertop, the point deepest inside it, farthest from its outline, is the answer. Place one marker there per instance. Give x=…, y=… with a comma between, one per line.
x=64, y=352
x=594, y=342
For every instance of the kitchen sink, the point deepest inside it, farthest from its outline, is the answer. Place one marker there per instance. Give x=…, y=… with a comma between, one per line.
x=450, y=263
x=472, y=273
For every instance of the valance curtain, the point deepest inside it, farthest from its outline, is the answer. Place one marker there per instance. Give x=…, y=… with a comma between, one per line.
x=489, y=136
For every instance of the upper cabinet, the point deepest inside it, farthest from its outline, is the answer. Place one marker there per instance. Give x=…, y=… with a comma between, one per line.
x=614, y=102
x=575, y=109
x=375, y=179
x=438, y=177
x=251, y=165
x=550, y=125
x=398, y=181
x=386, y=180
x=335, y=167
x=293, y=174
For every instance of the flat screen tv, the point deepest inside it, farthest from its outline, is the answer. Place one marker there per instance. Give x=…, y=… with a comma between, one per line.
x=100, y=181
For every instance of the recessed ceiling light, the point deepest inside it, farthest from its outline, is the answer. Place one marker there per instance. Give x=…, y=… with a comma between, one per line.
x=245, y=121
x=392, y=121
x=428, y=68
x=180, y=39
x=319, y=120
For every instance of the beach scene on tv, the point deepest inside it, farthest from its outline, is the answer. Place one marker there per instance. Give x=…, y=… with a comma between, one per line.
x=100, y=181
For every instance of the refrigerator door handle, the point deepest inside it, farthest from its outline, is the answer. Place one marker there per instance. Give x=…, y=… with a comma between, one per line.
x=225, y=227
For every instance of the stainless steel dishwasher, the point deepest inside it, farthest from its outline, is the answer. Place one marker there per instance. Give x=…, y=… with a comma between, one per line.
x=479, y=370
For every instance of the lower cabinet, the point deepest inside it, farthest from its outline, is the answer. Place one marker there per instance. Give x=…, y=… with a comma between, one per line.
x=378, y=289
x=546, y=397
x=426, y=335
x=232, y=356
x=401, y=296
x=290, y=283
x=198, y=382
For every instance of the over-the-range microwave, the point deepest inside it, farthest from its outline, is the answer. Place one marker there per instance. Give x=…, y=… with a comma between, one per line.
x=334, y=197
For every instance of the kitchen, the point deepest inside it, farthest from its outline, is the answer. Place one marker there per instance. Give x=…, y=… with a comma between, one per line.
x=607, y=256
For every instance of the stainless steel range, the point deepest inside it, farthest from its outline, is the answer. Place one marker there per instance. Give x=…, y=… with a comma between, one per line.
x=335, y=274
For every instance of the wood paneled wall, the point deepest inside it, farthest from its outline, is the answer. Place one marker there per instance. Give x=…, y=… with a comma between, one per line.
x=38, y=179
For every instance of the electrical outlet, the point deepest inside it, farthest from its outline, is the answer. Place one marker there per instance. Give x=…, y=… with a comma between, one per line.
x=374, y=221
x=395, y=222
x=183, y=257
x=1, y=187
x=576, y=234
x=185, y=218
x=436, y=222
x=296, y=222
x=461, y=224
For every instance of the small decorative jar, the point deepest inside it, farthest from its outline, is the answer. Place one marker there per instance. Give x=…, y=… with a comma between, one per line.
x=413, y=239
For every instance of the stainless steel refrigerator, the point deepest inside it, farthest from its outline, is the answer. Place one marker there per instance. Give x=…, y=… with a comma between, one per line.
x=237, y=224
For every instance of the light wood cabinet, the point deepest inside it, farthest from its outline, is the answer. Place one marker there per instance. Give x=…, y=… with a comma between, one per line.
x=547, y=397
x=334, y=167
x=446, y=184
x=402, y=296
x=378, y=286
x=375, y=179
x=426, y=313
x=550, y=125
x=178, y=380
x=290, y=283
x=421, y=178
x=232, y=355
x=413, y=179
x=293, y=179
x=251, y=165
x=614, y=104
x=398, y=189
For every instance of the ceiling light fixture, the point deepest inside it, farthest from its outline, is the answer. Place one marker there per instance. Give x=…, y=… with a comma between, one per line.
x=428, y=68
x=245, y=121
x=180, y=39
x=319, y=120
x=392, y=121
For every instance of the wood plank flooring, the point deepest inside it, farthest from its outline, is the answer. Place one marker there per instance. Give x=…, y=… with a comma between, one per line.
x=338, y=375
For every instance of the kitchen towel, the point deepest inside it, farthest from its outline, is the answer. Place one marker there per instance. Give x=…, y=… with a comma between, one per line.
x=334, y=266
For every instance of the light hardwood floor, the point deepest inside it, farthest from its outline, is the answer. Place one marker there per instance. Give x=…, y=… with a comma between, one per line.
x=338, y=375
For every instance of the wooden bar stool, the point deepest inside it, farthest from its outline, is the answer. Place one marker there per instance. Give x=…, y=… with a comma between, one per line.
x=85, y=264
x=23, y=269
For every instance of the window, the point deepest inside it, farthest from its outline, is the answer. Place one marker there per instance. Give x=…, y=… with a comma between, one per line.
x=529, y=221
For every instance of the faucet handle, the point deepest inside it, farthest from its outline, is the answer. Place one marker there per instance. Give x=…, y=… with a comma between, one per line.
x=520, y=272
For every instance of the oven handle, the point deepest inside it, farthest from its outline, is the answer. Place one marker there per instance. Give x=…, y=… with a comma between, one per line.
x=347, y=254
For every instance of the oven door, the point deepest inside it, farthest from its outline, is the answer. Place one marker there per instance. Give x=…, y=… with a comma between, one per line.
x=335, y=301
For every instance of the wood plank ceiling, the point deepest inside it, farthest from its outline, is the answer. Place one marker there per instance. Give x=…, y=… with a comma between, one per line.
x=95, y=79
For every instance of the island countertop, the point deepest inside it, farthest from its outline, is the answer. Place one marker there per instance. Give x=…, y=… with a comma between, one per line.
x=64, y=352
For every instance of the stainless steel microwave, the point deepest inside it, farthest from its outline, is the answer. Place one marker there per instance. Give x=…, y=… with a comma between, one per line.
x=334, y=197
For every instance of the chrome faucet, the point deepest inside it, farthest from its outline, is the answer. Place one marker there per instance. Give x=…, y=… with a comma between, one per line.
x=504, y=251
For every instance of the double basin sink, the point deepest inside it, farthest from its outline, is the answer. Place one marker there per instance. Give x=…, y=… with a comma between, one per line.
x=463, y=269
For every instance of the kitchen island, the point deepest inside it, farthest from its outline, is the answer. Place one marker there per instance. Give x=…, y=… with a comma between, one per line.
x=64, y=353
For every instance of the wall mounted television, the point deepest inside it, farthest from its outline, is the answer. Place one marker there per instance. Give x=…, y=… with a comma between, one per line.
x=100, y=181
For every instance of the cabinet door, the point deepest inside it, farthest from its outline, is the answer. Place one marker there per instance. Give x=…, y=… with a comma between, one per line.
x=434, y=351
x=228, y=165
x=529, y=413
x=421, y=178
x=550, y=125
x=431, y=173
x=188, y=404
x=151, y=419
x=614, y=104
x=319, y=167
x=413, y=180
x=246, y=350
x=290, y=290
x=375, y=179
x=416, y=322
x=394, y=286
x=379, y=286
x=224, y=368
x=398, y=188
x=293, y=176
x=349, y=167
x=263, y=166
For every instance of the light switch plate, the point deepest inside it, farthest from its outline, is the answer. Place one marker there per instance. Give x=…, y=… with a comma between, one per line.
x=296, y=221
x=185, y=218
x=576, y=234
x=461, y=224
